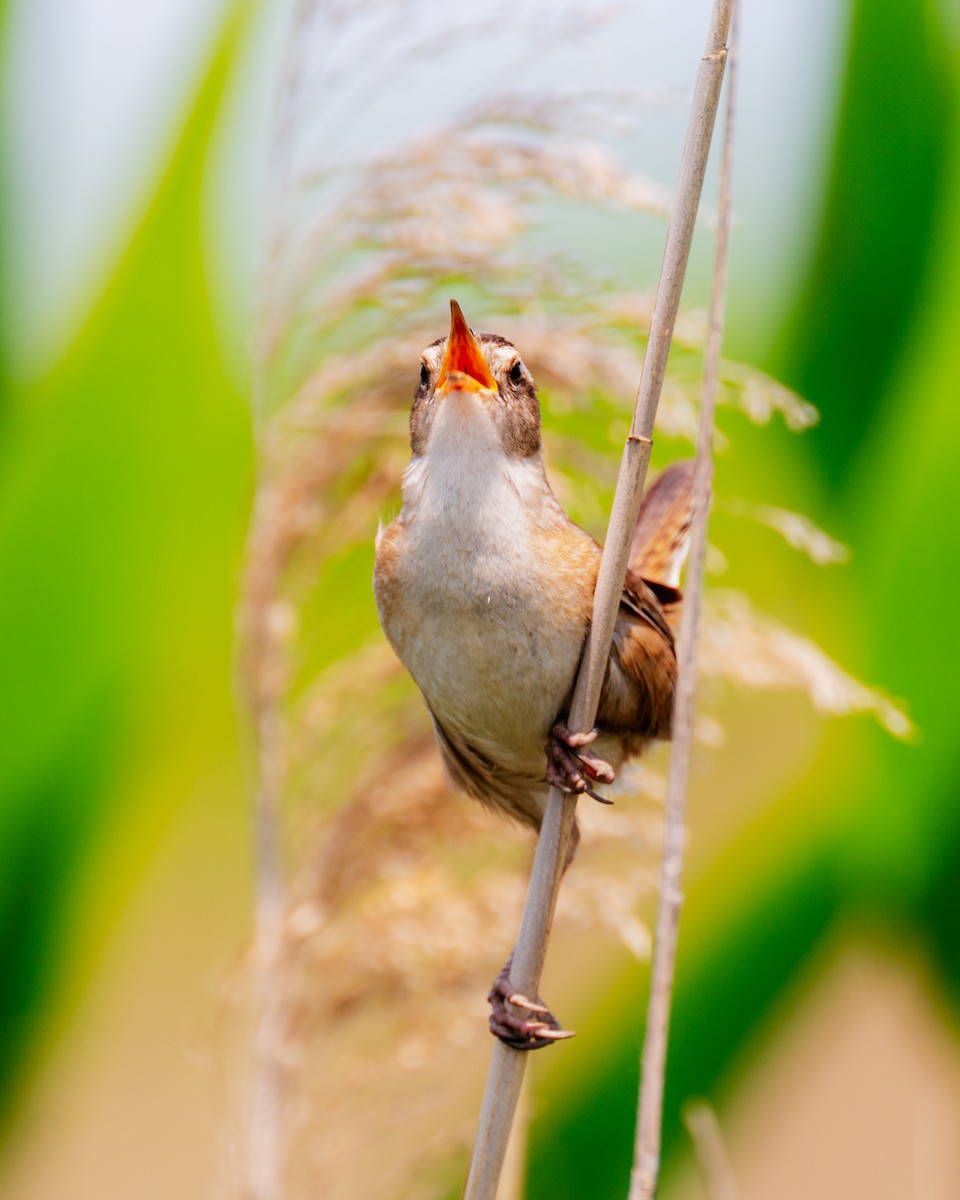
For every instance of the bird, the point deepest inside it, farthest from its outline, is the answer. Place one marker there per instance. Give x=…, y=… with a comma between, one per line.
x=484, y=588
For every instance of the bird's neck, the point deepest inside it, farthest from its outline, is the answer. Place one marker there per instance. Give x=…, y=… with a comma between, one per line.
x=467, y=487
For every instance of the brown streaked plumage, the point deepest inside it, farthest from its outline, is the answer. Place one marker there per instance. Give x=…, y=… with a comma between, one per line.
x=485, y=587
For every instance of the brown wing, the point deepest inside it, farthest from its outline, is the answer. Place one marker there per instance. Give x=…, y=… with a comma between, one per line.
x=636, y=699
x=642, y=600
x=638, y=691
x=637, y=694
x=662, y=536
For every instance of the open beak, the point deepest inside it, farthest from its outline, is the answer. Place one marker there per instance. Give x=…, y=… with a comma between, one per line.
x=463, y=366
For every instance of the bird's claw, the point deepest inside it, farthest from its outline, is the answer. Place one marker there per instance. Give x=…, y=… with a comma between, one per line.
x=570, y=765
x=519, y=1032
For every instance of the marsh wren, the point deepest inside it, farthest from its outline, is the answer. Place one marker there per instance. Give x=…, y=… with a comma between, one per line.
x=485, y=586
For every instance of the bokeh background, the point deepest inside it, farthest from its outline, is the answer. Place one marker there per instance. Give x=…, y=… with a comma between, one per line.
x=167, y=288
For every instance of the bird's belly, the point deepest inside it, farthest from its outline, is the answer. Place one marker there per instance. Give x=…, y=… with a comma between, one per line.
x=494, y=664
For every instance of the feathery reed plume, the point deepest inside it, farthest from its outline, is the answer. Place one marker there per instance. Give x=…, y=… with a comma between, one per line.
x=393, y=892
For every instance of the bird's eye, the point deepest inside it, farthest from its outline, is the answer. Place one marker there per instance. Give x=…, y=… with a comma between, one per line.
x=516, y=372
x=424, y=375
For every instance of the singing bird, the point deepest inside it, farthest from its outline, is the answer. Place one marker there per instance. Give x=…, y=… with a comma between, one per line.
x=484, y=587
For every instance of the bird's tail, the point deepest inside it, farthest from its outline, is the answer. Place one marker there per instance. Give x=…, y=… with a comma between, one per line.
x=661, y=539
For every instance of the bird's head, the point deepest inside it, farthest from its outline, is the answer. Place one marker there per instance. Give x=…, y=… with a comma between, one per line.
x=478, y=385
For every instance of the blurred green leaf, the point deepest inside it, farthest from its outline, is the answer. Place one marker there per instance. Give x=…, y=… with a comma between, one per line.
x=877, y=239
x=124, y=479
x=907, y=498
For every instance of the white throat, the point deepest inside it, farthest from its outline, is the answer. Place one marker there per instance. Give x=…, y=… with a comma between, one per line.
x=467, y=486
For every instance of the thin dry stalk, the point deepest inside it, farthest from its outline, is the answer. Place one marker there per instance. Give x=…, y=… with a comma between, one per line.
x=264, y=1118
x=704, y=1129
x=646, y=1164
x=514, y=1167
x=507, y=1065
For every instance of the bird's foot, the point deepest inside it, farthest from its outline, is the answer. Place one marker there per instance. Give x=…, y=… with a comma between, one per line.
x=570, y=765
x=541, y=1029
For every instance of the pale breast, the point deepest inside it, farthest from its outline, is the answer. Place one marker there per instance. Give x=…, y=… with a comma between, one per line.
x=491, y=662
x=471, y=599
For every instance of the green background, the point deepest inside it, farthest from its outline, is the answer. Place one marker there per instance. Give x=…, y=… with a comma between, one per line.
x=126, y=479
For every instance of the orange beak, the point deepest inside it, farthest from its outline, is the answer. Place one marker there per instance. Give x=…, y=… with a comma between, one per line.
x=463, y=365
